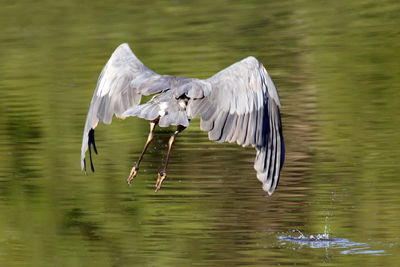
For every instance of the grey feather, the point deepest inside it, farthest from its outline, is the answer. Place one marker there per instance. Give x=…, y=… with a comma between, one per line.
x=219, y=124
x=228, y=127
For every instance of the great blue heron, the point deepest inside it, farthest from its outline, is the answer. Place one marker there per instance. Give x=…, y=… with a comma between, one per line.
x=238, y=104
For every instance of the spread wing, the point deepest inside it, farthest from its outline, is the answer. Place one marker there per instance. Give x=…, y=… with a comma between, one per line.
x=122, y=82
x=243, y=107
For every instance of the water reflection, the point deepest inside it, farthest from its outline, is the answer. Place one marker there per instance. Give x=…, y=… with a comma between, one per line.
x=336, y=75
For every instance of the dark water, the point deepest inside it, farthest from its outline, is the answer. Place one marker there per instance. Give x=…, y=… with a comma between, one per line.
x=336, y=65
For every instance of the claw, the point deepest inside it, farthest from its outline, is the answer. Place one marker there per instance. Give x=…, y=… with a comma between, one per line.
x=160, y=179
x=132, y=175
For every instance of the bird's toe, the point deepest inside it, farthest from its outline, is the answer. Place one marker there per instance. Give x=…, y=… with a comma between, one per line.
x=161, y=177
x=132, y=175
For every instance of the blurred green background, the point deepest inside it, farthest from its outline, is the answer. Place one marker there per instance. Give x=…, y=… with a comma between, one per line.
x=336, y=65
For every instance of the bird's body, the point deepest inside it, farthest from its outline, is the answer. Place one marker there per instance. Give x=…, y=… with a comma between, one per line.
x=238, y=104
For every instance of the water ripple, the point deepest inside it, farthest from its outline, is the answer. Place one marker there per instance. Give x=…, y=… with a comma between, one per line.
x=346, y=246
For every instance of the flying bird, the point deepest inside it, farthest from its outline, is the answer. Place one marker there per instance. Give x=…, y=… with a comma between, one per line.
x=238, y=104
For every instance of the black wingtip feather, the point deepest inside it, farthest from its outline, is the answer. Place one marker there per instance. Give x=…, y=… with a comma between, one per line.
x=84, y=165
x=90, y=157
x=91, y=142
x=282, y=140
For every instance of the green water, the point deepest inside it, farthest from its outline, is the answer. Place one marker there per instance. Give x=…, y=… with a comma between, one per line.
x=336, y=65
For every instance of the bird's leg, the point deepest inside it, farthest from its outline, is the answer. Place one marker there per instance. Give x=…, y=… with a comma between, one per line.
x=163, y=174
x=135, y=168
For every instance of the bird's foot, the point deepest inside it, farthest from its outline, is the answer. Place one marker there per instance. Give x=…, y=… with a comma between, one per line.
x=161, y=176
x=132, y=175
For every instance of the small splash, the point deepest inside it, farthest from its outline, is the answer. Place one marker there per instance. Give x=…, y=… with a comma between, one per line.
x=325, y=241
x=310, y=238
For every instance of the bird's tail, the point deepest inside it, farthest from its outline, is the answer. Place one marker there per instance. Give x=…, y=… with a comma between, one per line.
x=168, y=110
